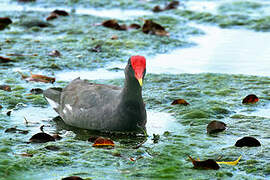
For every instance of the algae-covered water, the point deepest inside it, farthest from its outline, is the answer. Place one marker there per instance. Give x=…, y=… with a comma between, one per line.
x=216, y=54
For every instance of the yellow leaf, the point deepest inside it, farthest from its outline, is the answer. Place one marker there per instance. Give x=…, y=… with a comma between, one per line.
x=233, y=163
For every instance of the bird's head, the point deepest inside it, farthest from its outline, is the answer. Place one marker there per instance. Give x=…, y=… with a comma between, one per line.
x=136, y=67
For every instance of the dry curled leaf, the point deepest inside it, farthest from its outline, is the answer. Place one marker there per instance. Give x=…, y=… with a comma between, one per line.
x=15, y=130
x=134, y=26
x=180, y=101
x=215, y=126
x=72, y=178
x=5, y=88
x=55, y=53
x=60, y=12
x=40, y=78
x=101, y=142
x=51, y=17
x=172, y=5
x=4, y=59
x=206, y=165
x=150, y=27
x=4, y=22
x=113, y=24
x=26, y=155
x=247, y=141
x=41, y=138
x=250, y=99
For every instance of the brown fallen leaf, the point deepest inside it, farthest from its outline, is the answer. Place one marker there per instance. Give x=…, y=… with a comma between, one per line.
x=157, y=9
x=51, y=17
x=250, y=99
x=150, y=27
x=55, y=53
x=114, y=37
x=4, y=22
x=41, y=138
x=4, y=59
x=5, y=88
x=1, y=106
x=180, y=101
x=215, y=126
x=40, y=78
x=72, y=178
x=113, y=24
x=247, y=141
x=60, y=12
x=206, y=165
x=134, y=26
x=103, y=142
x=172, y=5
x=15, y=130
x=9, y=113
x=26, y=155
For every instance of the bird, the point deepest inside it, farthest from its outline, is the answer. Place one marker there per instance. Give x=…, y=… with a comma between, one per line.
x=102, y=107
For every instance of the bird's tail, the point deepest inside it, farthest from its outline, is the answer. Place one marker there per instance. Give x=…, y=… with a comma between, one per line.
x=52, y=95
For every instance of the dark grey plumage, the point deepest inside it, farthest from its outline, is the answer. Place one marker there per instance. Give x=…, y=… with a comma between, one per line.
x=101, y=107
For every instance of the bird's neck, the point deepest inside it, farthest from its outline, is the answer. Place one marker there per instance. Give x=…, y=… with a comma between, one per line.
x=132, y=91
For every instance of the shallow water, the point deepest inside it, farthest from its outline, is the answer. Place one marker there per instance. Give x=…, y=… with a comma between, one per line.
x=108, y=13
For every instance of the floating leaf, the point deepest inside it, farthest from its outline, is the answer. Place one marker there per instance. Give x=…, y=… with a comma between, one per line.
x=55, y=53
x=56, y=136
x=5, y=88
x=206, y=165
x=51, y=17
x=134, y=26
x=157, y=9
x=9, y=113
x=26, y=155
x=60, y=12
x=41, y=138
x=4, y=59
x=72, y=178
x=114, y=37
x=1, y=106
x=172, y=5
x=40, y=78
x=36, y=91
x=151, y=27
x=247, y=141
x=113, y=24
x=250, y=99
x=216, y=126
x=4, y=22
x=15, y=130
x=180, y=101
x=101, y=142
x=232, y=163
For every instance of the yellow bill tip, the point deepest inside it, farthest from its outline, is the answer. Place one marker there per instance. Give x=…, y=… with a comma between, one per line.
x=140, y=82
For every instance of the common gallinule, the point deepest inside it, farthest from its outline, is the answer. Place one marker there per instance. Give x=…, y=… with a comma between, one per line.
x=103, y=107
